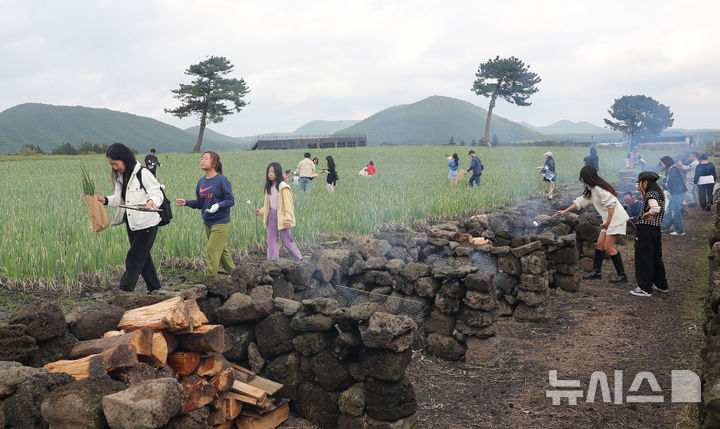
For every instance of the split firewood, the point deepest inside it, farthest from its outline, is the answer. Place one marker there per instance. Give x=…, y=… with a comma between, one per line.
x=183, y=363
x=247, y=390
x=225, y=425
x=232, y=408
x=171, y=341
x=98, y=364
x=242, y=376
x=171, y=314
x=269, y=421
x=205, y=338
x=112, y=334
x=198, y=393
x=141, y=339
x=158, y=357
x=242, y=398
x=212, y=365
x=217, y=416
x=224, y=380
x=270, y=387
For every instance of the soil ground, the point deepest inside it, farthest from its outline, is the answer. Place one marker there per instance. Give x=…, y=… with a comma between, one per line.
x=600, y=328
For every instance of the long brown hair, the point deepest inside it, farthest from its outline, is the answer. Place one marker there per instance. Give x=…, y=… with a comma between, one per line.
x=215, y=159
x=590, y=177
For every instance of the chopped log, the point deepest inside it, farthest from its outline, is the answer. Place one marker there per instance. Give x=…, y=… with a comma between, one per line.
x=242, y=398
x=198, y=392
x=205, y=338
x=112, y=334
x=249, y=373
x=213, y=365
x=247, y=390
x=270, y=387
x=216, y=416
x=232, y=408
x=98, y=364
x=219, y=402
x=141, y=339
x=271, y=420
x=226, y=425
x=171, y=341
x=197, y=317
x=223, y=381
x=159, y=355
x=89, y=366
x=183, y=363
x=241, y=376
x=170, y=314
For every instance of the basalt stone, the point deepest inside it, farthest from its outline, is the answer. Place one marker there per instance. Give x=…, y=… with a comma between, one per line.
x=504, y=281
x=566, y=269
x=510, y=299
x=384, y=364
x=376, y=263
x=317, y=405
x=509, y=264
x=326, y=306
x=255, y=358
x=533, y=263
x=287, y=369
x=547, y=238
x=305, y=322
x=12, y=374
x=274, y=335
x=242, y=308
x=533, y=299
x=427, y=286
x=568, y=283
x=585, y=264
x=300, y=274
x=403, y=285
x=137, y=373
x=475, y=318
x=312, y=343
x=133, y=300
x=209, y=307
x=382, y=290
x=564, y=255
x=464, y=249
x=224, y=287
x=388, y=331
x=347, y=344
x=534, y=282
x=79, y=404
x=197, y=291
x=480, y=282
x=44, y=320
x=352, y=400
x=446, y=304
x=92, y=321
x=54, y=349
x=526, y=248
x=569, y=240
x=327, y=270
x=561, y=229
x=454, y=271
x=505, y=309
x=452, y=289
x=587, y=231
x=482, y=350
x=149, y=404
x=282, y=288
x=415, y=270
x=439, y=323
x=287, y=306
x=22, y=409
x=464, y=331
x=588, y=248
x=330, y=372
x=445, y=347
x=357, y=312
x=516, y=242
x=378, y=278
x=390, y=401
x=530, y=314
x=398, y=252
x=16, y=344
x=240, y=337
x=409, y=422
x=480, y=301
x=358, y=267
x=196, y=419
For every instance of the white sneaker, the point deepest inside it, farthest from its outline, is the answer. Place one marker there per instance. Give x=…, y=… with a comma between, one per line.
x=677, y=233
x=657, y=289
x=639, y=292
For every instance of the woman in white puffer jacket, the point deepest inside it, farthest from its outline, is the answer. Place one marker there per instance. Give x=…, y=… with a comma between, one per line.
x=141, y=226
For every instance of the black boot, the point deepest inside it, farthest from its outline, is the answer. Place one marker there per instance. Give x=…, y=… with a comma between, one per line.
x=617, y=261
x=597, y=265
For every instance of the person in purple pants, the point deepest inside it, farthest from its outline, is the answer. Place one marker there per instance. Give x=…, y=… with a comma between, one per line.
x=278, y=213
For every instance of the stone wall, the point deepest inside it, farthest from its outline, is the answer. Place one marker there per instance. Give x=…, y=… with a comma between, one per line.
x=709, y=413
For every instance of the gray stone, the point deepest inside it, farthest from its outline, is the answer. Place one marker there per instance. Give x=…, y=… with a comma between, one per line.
x=376, y=263
x=585, y=264
x=500, y=250
x=588, y=249
x=305, y=322
x=255, y=358
x=415, y=270
x=446, y=304
x=509, y=264
x=439, y=323
x=287, y=306
x=569, y=283
x=300, y=274
x=480, y=282
x=312, y=343
x=79, y=404
x=261, y=293
x=282, y=288
x=136, y=374
x=394, y=266
x=464, y=249
x=132, y=300
x=505, y=309
x=357, y=312
x=530, y=314
x=12, y=374
x=347, y=344
x=475, y=318
x=240, y=337
x=54, y=349
x=409, y=422
x=44, y=320
x=358, y=267
x=587, y=231
x=317, y=405
x=480, y=301
x=198, y=291
x=241, y=308
x=390, y=401
x=454, y=271
x=567, y=269
x=403, y=285
x=352, y=400
x=287, y=369
x=568, y=240
x=325, y=306
x=379, y=278
x=505, y=282
x=533, y=299
x=445, y=347
x=330, y=372
x=534, y=282
x=526, y=248
x=149, y=404
x=16, y=344
x=92, y=321
x=22, y=409
x=382, y=290
x=196, y=419
x=564, y=255
x=327, y=270
x=384, y=364
x=533, y=263
x=274, y=335
x=427, y=286
x=388, y=331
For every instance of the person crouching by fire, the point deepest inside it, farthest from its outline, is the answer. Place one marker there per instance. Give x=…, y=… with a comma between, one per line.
x=604, y=197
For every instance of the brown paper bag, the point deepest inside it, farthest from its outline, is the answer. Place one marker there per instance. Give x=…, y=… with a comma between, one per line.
x=461, y=174
x=98, y=216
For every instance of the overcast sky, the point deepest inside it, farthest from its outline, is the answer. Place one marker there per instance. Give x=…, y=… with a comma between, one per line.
x=333, y=60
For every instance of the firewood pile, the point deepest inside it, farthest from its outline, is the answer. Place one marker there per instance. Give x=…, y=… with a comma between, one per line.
x=174, y=334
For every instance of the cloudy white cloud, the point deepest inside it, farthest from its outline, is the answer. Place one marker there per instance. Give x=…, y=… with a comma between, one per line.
x=345, y=60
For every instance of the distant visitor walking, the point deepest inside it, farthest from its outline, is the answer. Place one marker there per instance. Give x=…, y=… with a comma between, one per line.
x=151, y=162
x=593, y=159
x=705, y=179
x=548, y=173
x=278, y=213
x=675, y=185
x=332, y=176
x=476, y=167
x=306, y=171
x=454, y=164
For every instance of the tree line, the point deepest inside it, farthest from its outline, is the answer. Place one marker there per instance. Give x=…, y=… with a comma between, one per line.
x=66, y=148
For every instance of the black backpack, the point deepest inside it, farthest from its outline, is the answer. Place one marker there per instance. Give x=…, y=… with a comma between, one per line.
x=166, y=213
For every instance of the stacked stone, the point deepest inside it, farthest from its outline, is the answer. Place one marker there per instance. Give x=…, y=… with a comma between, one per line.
x=563, y=266
x=709, y=411
x=533, y=290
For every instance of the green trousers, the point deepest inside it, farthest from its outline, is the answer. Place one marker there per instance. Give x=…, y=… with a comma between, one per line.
x=217, y=252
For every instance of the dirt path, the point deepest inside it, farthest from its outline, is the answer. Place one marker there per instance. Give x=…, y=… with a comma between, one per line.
x=600, y=328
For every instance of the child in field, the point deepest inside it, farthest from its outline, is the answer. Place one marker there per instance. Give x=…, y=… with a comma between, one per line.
x=454, y=164
x=278, y=213
x=214, y=197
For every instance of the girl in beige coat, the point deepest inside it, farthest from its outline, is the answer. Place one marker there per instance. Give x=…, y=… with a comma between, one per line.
x=278, y=213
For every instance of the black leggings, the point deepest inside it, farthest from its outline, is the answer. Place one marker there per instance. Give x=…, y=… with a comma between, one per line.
x=705, y=195
x=649, y=266
x=139, y=261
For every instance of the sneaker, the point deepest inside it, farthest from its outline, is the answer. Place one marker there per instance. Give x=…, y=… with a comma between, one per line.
x=677, y=233
x=657, y=289
x=639, y=292
x=550, y=197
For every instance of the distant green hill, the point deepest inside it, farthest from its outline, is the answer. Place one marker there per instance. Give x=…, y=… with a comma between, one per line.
x=317, y=128
x=433, y=120
x=569, y=127
x=49, y=126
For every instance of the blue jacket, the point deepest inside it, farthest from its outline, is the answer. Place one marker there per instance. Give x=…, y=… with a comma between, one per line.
x=452, y=165
x=210, y=191
x=476, y=166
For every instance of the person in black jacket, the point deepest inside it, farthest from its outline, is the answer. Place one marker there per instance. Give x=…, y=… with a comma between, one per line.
x=332, y=176
x=675, y=184
x=593, y=159
x=151, y=162
x=705, y=180
x=476, y=167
